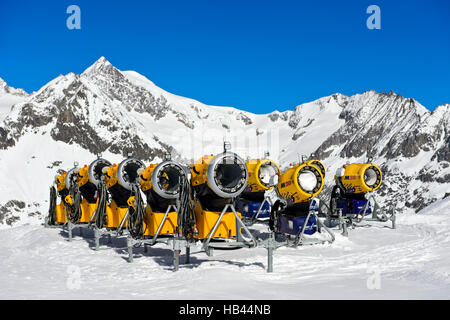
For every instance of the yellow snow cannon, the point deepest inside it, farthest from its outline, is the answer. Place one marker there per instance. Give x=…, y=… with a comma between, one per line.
x=73, y=198
x=263, y=175
x=119, y=180
x=216, y=182
x=57, y=212
x=88, y=180
x=162, y=184
x=352, y=199
x=300, y=183
x=294, y=213
x=359, y=178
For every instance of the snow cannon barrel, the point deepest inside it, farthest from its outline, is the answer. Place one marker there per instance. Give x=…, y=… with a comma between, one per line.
x=120, y=179
x=95, y=171
x=359, y=178
x=300, y=183
x=163, y=180
x=88, y=179
x=263, y=174
x=224, y=175
x=70, y=177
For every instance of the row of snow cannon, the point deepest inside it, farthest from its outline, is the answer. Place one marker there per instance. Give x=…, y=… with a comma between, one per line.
x=211, y=201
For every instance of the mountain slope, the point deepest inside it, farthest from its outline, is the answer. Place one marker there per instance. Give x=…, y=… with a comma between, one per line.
x=112, y=112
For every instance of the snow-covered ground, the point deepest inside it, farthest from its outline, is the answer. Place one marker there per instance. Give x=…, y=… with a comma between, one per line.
x=410, y=262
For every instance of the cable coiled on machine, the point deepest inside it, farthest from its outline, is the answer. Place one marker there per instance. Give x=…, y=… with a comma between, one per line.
x=100, y=215
x=74, y=210
x=186, y=218
x=136, y=216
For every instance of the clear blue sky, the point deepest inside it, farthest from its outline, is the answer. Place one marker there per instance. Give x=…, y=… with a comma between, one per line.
x=256, y=55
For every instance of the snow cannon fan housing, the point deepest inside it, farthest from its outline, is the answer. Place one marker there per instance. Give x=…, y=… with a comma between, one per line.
x=88, y=179
x=224, y=175
x=359, y=178
x=162, y=183
x=217, y=181
x=120, y=179
x=69, y=177
x=263, y=174
x=300, y=183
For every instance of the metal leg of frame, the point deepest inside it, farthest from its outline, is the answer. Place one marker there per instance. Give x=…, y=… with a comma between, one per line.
x=119, y=229
x=69, y=228
x=176, y=259
x=239, y=221
x=299, y=237
x=209, y=252
x=130, y=249
x=162, y=222
x=255, y=217
x=269, y=259
x=323, y=226
x=213, y=230
x=340, y=218
x=344, y=229
x=97, y=238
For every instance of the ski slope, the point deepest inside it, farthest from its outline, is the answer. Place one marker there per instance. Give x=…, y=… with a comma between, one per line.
x=411, y=262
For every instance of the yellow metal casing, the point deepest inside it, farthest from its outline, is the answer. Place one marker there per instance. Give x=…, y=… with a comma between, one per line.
x=87, y=210
x=289, y=187
x=115, y=215
x=111, y=176
x=253, y=166
x=61, y=213
x=205, y=221
x=199, y=170
x=82, y=176
x=353, y=179
x=154, y=219
x=146, y=177
x=61, y=182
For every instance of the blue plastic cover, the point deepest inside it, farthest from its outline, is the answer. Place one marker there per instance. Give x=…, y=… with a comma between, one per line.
x=293, y=225
x=250, y=208
x=353, y=206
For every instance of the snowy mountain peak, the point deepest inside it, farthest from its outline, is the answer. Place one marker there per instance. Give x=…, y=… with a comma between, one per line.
x=5, y=88
x=100, y=66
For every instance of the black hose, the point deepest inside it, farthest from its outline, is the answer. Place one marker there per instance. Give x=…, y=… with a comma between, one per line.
x=136, y=217
x=100, y=215
x=186, y=218
x=51, y=219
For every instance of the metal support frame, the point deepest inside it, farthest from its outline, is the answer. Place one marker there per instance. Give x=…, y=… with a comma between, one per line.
x=98, y=233
x=271, y=245
x=353, y=219
x=240, y=242
x=71, y=226
x=176, y=242
x=252, y=220
x=300, y=238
